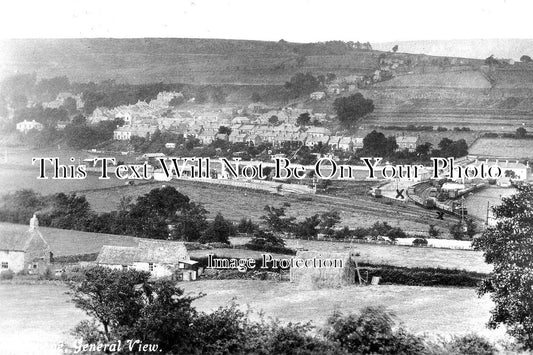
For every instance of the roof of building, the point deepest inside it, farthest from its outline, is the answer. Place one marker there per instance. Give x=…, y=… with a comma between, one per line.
x=406, y=139
x=148, y=251
x=115, y=255
x=14, y=239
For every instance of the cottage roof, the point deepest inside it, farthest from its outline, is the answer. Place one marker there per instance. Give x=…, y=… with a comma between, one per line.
x=14, y=239
x=406, y=139
x=161, y=251
x=115, y=255
x=148, y=251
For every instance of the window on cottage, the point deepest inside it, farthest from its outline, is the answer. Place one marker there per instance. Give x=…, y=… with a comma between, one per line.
x=35, y=266
x=151, y=266
x=5, y=265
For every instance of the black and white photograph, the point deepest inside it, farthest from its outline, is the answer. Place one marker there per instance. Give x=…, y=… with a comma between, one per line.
x=236, y=177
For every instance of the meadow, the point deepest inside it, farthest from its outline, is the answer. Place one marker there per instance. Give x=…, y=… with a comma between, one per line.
x=35, y=318
x=503, y=147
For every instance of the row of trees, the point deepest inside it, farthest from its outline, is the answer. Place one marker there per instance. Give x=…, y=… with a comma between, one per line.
x=163, y=213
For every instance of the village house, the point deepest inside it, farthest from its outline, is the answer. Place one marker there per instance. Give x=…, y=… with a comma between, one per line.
x=24, y=250
x=318, y=95
x=313, y=141
x=317, y=132
x=357, y=143
x=161, y=258
x=407, y=142
x=346, y=144
x=334, y=142
x=126, y=132
x=26, y=126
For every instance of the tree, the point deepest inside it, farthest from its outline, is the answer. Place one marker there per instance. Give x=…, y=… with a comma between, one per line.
x=395, y=48
x=464, y=230
x=127, y=305
x=110, y=296
x=375, y=144
x=276, y=220
x=224, y=130
x=303, y=119
x=302, y=84
x=432, y=231
x=508, y=246
x=521, y=132
x=328, y=220
x=153, y=212
x=308, y=228
x=526, y=59
x=510, y=174
x=218, y=231
x=350, y=109
x=273, y=120
x=190, y=223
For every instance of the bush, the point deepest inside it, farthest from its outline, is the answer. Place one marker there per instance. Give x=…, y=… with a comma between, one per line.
x=420, y=242
x=422, y=276
x=371, y=332
x=470, y=344
x=6, y=275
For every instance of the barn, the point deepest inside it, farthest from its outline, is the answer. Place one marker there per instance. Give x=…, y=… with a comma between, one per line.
x=26, y=250
x=162, y=258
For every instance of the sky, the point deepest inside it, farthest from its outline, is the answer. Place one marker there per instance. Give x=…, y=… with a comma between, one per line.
x=292, y=20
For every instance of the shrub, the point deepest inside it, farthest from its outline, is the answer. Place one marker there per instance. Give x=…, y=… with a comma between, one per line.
x=7, y=275
x=470, y=344
x=422, y=276
x=420, y=242
x=371, y=332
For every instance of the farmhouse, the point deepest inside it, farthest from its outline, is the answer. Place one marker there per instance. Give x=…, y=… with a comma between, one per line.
x=162, y=258
x=24, y=250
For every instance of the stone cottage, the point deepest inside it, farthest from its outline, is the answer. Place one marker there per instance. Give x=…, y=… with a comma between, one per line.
x=26, y=250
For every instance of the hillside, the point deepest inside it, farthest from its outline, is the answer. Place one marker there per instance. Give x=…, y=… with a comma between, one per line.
x=199, y=61
x=180, y=60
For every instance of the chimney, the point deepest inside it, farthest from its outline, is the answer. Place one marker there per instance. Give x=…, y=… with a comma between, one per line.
x=34, y=222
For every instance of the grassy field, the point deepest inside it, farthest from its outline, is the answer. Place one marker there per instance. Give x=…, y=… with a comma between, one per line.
x=35, y=318
x=67, y=242
x=476, y=203
x=503, y=147
x=397, y=255
x=459, y=79
x=458, y=311
x=236, y=204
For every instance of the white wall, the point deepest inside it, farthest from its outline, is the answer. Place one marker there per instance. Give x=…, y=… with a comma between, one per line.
x=15, y=260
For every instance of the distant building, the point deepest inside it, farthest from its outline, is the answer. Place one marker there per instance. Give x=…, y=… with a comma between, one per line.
x=407, y=142
x=126, y=132
x=317, y=95
x=24, y=250
x=161, y=258
x=26, y=126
